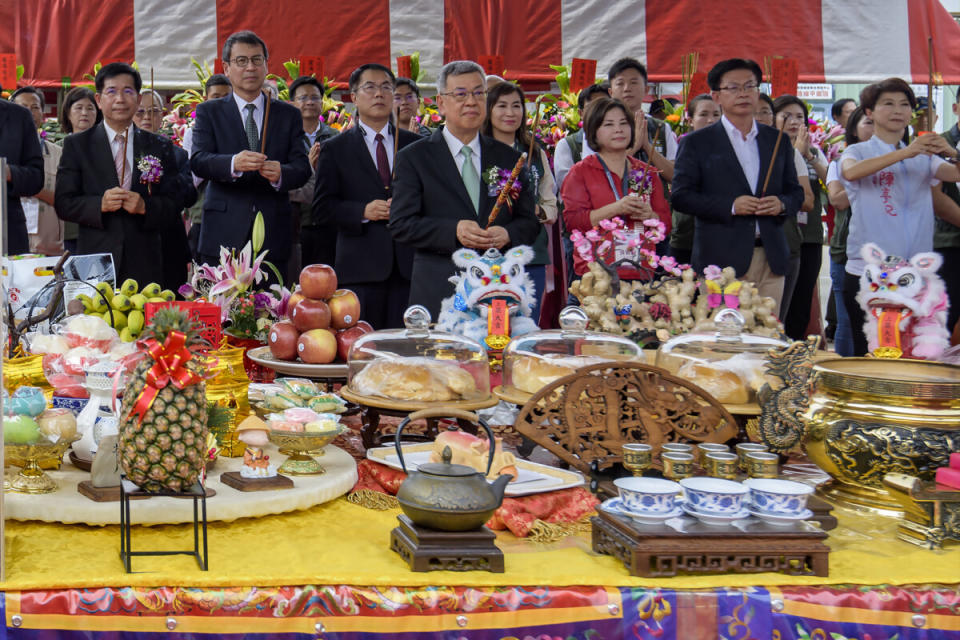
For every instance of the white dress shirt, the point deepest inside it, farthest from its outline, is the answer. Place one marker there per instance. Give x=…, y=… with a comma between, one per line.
x=312, y=135
x=563, y=159
x=370, y=138
x=455, y=145
x=111, y=137
x=746, y=150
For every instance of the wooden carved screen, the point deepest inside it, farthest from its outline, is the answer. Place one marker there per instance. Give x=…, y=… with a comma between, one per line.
x=587, y=416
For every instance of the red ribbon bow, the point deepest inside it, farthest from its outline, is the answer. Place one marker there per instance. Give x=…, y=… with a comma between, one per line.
x=170, y=361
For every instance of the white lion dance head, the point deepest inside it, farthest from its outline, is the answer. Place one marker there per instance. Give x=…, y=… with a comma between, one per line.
x=482, y=280
x=905, y=302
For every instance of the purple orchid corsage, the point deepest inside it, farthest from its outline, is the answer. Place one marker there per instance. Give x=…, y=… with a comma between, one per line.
x=496, y=178
x=151, y=170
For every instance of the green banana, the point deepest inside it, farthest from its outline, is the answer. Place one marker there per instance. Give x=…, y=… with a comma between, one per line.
x=135, y=321
x=129, y=287
x=168, y=295
x=138, y=300
x=152, y=290
x=121, y=302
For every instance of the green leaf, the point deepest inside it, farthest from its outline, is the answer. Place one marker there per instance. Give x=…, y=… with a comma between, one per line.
x=259, y=233
x=19, y=71
x=293, y=69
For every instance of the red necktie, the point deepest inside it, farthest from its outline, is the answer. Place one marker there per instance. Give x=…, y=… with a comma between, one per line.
x=383, y=163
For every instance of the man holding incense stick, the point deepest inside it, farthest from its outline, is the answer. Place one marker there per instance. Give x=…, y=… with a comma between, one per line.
x=724, y=177
x=251, y=151
x=119, y=182
x=444, y=191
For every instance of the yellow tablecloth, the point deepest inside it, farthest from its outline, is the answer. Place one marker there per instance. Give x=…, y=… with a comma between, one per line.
x=341, y=543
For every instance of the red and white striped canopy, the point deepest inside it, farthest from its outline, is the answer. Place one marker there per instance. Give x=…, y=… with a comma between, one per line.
x=58, y=41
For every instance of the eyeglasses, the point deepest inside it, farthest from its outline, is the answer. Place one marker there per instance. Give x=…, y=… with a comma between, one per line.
x=461, y=96
x=749, y=87
x=405, y=97
x=372, y=89
x=154, y=111
x=308, y=99
x=244, y=61
x=113, y=93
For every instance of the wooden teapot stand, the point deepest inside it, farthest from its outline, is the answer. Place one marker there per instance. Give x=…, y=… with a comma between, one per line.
x=431, y=550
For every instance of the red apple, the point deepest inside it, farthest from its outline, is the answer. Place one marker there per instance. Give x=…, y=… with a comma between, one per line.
x=347, y=337
x=318, y=281
x=295, y=297
x=317, y=346
x=344, y=309
x=283, y=340
x=310, y=314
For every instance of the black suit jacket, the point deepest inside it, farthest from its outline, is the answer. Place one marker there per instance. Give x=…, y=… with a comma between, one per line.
x=347, y=180
x=87, y=170
x=20, y=145
x=229, y=205
x=707, y=178
x=429, y=200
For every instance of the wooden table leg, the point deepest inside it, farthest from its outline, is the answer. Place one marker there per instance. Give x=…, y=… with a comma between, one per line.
x=371, y=425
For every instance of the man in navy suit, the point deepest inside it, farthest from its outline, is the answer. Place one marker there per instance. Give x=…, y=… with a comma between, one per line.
x=440, y=202
x=718, y=178
x=226, y=151
x=99, y=185
x=353, y=197
x=20, y=145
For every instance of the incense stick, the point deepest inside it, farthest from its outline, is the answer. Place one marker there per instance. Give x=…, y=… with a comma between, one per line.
x=266, y=118
x=649, y=163
x=123, y=168
x=533, y=132
x=396, y=146
x=773, y=159
x=504, y=192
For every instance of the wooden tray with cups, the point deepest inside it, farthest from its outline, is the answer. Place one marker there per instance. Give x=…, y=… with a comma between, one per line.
x=658, y=527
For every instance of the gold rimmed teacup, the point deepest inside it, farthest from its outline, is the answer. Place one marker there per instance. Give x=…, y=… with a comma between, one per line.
x=744, y=448
x=710, y=447
x=637, y=457
x=762, y=464
x=677, y=447
x=721, y=464
x=677, y=465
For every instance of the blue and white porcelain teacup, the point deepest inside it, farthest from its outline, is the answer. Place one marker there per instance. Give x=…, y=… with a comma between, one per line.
x=780, y=497
x=714, y=495
x=648, y=495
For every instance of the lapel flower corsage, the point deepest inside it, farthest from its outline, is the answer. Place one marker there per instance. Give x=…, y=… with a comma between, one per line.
x=496, y=178
x=151, y=170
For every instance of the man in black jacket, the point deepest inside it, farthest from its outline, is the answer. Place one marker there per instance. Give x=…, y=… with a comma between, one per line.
x=440, y=201
x=24, y=174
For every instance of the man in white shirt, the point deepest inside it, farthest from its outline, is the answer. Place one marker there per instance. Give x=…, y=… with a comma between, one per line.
x=655, y=142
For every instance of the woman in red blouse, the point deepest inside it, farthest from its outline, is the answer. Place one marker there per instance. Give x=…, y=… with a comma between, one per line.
x=607, y=184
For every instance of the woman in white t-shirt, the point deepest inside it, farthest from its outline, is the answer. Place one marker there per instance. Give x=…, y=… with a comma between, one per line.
x=888, y=184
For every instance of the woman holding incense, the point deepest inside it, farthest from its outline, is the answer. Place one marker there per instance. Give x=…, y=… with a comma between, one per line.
x=889, y=185
x=805, y=238
x=506, y=123
x=612, y=184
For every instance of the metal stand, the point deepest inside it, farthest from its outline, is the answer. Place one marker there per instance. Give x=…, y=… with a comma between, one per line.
x=196, y=492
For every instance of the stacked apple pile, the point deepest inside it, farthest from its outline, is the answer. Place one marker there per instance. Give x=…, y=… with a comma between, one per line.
x=322, y=321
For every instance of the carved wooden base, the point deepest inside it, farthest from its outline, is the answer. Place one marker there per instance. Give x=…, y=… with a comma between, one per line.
x=430, y=550
x=660, y=550
x=102, y=494
x=238, y=482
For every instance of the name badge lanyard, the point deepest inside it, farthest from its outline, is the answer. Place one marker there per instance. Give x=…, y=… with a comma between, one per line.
x=625, y=182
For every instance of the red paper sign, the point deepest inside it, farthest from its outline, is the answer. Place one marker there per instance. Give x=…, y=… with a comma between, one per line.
x=312, y=66
x=218, y=65
x=492, y=64
x=785, y=77
x=698, y=85
x=583, y=73
x=404, y=67
x=8, y=71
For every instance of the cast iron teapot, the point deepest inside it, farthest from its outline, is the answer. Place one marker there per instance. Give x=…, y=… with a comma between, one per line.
x=444, y=496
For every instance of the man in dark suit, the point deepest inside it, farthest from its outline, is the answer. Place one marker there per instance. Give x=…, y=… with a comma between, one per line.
x=173, y=238
x=719, y=176
x=226, y=151
x=20, y=145
x=99, y=182
x=353, y=196
x=440, y=202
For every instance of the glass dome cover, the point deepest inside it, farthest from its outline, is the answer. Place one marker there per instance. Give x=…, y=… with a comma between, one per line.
x=534, y=360
x=728, y=363
x=418, y=364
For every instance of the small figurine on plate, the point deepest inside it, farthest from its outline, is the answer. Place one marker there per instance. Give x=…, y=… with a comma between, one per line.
x=256, y=474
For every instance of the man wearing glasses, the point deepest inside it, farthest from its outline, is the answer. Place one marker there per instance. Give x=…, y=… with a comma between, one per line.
x=719, y=178
x=99, y=182
x=175, y=249
x=316, y=243
x=440, y=203
x=227, y=141
x=353, y=194
x=406, y=102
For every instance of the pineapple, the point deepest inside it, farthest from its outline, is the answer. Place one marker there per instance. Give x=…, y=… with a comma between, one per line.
x=165, y=451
